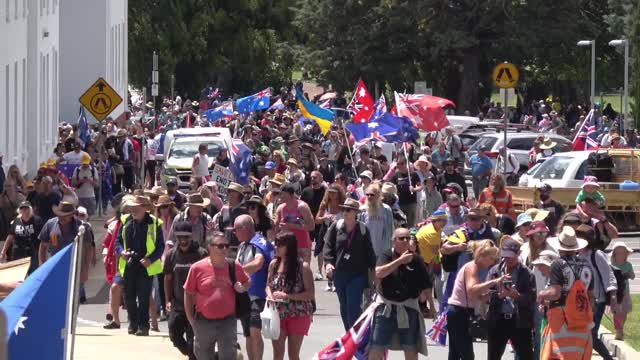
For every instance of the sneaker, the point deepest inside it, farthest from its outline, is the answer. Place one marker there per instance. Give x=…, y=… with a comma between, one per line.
x=141, y=332
x=333, y=288
x=132, y=331
x=317, y=277
x=112, y=325
x=328, y=288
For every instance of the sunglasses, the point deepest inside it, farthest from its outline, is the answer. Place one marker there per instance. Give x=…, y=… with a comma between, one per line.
x=220, y=246
x=371, y=195
x=403, y=238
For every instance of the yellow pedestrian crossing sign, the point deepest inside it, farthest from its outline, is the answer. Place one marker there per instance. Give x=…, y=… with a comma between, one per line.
x=506, y=75
x=100, y=99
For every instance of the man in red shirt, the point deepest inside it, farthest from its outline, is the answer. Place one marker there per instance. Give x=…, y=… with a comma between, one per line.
x=208, y=287
x=497, y=195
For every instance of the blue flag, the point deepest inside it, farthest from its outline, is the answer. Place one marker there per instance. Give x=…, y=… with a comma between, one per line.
x=224, y=110
x=83, y=127
x=387, y=128
x=254, y=102
x=37, y=311
x=241, y=161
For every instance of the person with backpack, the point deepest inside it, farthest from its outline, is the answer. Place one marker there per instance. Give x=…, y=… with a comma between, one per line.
x=85, y=180
x=619, y=261
x=254, y=254
x=176, y=267
x=568, y=302
x=349, y=258
x=605, y=287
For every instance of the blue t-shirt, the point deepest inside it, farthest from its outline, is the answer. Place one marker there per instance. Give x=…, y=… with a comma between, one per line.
x=480, y=165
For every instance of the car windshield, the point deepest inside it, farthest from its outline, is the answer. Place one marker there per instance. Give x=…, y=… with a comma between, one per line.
x=553, y=168
x=487, y=141
x=188, y=149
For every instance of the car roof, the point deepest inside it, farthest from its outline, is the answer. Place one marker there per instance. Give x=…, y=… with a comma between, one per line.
x=522, y=134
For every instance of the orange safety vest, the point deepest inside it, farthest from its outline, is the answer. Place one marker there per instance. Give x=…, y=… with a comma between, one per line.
x=559, y=342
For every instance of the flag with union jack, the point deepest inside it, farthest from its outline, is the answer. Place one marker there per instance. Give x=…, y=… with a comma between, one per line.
x=254, y=102
x=362, y=105
x=586, y=138
x=426, y=112
x=438, y=331
x=353, y=343
x=240, y=161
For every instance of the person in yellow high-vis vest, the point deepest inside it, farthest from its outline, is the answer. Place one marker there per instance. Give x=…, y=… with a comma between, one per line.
x=139, y=244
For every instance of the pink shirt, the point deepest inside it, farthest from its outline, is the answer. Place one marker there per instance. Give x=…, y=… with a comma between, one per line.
x=215, y=297
x=459, y=295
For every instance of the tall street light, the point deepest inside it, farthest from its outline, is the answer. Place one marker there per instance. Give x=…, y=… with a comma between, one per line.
x=591, y=43
x=625, y=43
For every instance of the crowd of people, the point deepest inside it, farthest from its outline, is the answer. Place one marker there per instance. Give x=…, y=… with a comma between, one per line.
x=398, y=230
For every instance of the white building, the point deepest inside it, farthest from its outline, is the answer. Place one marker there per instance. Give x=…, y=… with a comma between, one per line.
x=51, y=51
x=93, y=44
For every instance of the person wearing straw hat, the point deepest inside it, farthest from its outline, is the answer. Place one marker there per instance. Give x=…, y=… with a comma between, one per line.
x=194, y=214
x=233, y=208
x=546, y=149
x=140, y=244
x=619, y=261
x=85, y=180
x=349, y=257
x=568, y=298
x=176, y=267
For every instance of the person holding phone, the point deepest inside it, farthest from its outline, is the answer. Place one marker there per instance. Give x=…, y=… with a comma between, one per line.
x=511, y=305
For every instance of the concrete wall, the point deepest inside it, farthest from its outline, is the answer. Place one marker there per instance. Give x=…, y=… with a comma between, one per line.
x=13, y=80
x=93, y=44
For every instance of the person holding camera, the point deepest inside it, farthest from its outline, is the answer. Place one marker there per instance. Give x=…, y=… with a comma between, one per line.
x=511, y=304
x=140, y=244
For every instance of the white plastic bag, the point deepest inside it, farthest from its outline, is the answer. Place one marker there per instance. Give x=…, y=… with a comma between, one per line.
x=270, y=321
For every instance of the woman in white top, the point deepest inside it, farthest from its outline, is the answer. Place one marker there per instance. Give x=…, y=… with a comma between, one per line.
x=200, y=165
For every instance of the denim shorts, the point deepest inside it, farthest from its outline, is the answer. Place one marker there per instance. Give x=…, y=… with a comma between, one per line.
x=385, y=330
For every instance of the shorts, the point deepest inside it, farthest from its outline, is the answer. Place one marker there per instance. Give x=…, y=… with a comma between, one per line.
x=118, y=279
x=253, y=319
x=296, y=325
x=385, y=331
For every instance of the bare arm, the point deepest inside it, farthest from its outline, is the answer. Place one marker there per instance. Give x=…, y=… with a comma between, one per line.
x=552, y=293
x=168, y=288
x=320, y=216
x=475, y=288
x=307, y=216
x=42, y=252
x=189, y=306
x=254, y=265
x=7, y=246
x=385, y=270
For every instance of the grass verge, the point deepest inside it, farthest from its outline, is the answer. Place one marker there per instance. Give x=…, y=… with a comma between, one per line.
x=631, y=327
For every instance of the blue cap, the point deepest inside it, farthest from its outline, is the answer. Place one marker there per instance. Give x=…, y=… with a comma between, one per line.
x=523, y=219
x=439, y=215
x=270, y=165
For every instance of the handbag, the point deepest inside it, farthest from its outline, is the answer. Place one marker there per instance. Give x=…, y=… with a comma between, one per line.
x=270, y=318
x=243, y=302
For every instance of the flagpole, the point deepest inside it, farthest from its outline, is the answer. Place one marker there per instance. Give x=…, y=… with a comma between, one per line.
x=406, y=158
x=590, y=113
x=353, y=165
x=74, y=290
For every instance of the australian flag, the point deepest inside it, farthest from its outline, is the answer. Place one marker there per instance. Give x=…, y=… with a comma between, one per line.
x=224, y=110
x=380, y=107
x=254, y=102
x=241, y=161
x=83, y=127
x=586, y=138
x=438, y=331
x=36, y=311
x=387, y=128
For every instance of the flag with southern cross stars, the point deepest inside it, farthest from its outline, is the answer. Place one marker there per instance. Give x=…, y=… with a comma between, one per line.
x=362, y=105
x=427, y=112
x=36, y=311
x=254, y=102
x=224, y=110
x=380, y=107
x=386, y=128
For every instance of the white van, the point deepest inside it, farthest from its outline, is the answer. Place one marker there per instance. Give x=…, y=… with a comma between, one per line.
x=182, y=144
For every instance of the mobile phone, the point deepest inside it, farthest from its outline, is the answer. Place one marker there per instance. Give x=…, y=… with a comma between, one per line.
x=507, y=284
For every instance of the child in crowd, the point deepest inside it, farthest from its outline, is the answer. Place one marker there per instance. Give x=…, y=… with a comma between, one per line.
x=619, y=256
x=590, y=190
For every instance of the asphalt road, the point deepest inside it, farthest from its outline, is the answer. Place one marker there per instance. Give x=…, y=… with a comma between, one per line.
x=325, y=328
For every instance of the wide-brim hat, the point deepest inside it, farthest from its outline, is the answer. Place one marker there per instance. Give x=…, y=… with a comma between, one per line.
x=548, y=144
x=620, y=244
x=64, y=208
x=546, y=257
x=138, y=200
x=255, y=199
x=150, y=104
x=590, y=180
x=278, y=180
x=351, y=204
x=292, y=139
x=121, y=133
x=537, y=214
x=155, y=191
x=476, y=213
x=164, y=200
x=423, y=159
x=292, y=161
x=196, y=199
x=236, y=187
x=568, y=241
x=368, y=174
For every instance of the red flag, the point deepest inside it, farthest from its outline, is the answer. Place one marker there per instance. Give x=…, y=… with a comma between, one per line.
x=188, y=119
x=425, y=111
x=362, y=105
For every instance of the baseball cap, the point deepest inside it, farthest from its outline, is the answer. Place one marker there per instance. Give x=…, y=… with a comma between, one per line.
x=546, y=257
x=523, y=219
x=544, y=187
x=24, y=204
x=172, y=181
x=509, y=248
x=538, y=227
x=270, y=165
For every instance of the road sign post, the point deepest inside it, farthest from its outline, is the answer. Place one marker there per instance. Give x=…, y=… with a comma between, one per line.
x=100, y=99
x=506, y=76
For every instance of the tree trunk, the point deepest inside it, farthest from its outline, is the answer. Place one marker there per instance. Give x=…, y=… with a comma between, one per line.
x=469, y=80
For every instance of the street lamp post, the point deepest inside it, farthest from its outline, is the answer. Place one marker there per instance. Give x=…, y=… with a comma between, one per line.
x=625, y=43
x=591, y=43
